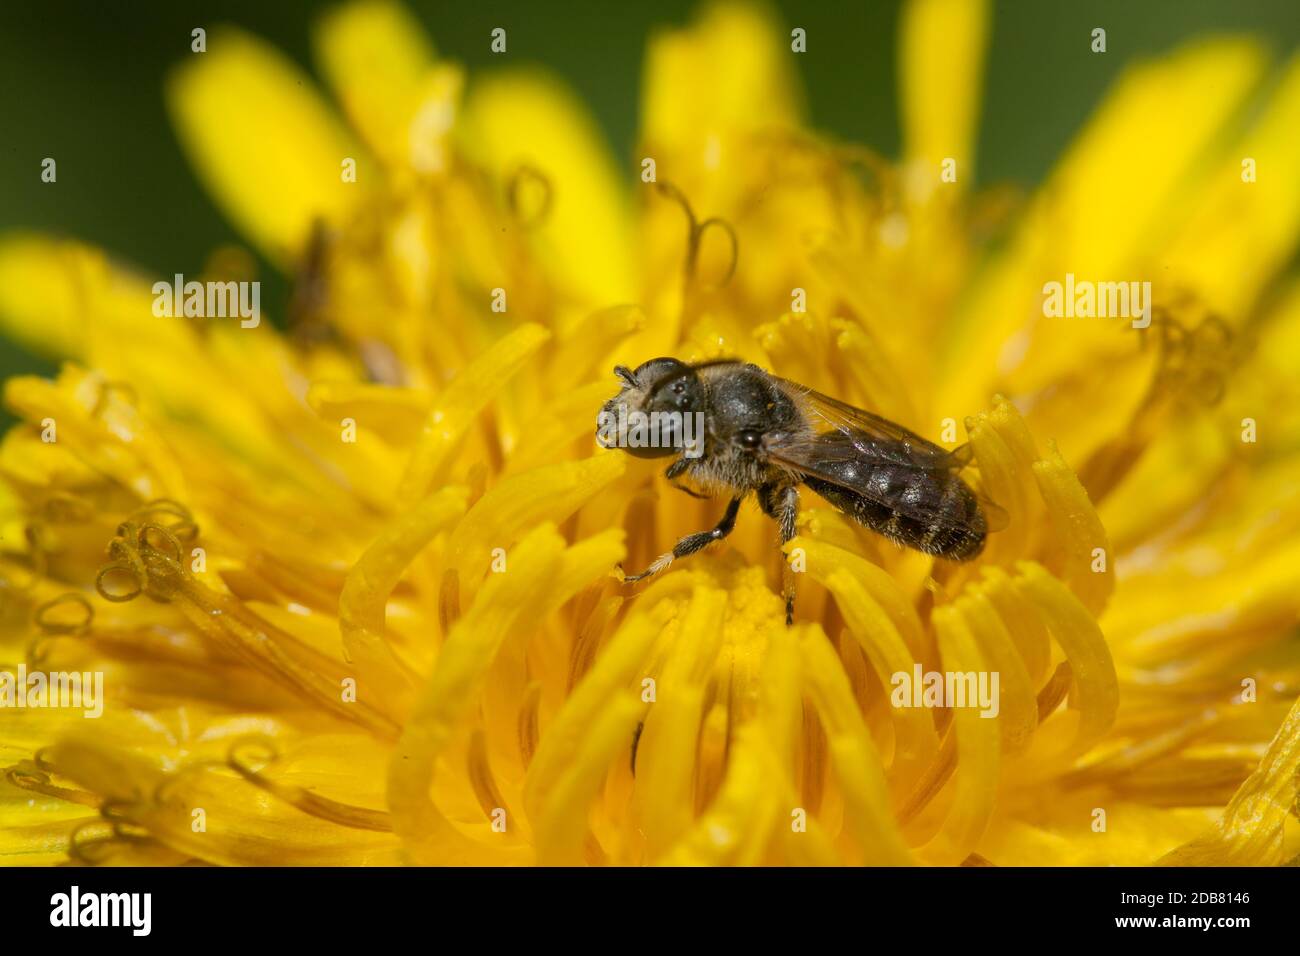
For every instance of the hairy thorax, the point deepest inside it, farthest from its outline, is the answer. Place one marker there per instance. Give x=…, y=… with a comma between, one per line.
x=745, y=410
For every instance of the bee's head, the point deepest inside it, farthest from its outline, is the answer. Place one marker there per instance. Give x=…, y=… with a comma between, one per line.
x=647, y=418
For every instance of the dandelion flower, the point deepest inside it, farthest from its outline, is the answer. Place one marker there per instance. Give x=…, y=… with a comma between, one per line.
x=351, y=585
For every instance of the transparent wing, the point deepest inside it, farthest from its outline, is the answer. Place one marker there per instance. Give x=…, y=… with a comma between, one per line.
x=856, y=422
x=818, y=457
x=878, y=437
x=867, y=439
x=996, y=517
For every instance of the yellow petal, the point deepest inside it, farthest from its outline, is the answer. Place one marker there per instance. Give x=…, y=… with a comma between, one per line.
x=1017, y=715
x=1081, y=552
x=857, y=763
x=620, y=661
x=941, y=59
x=666, y=751
x=528, y=118
x=728, y=71
x=1062, y=835
x=380, y=64
x=453, y=411
x=843, y=574
x=561, y=831
x=978, y=751
x=566, y=420
x=363, y=603
x=448, y=699
x=1251, y=830
x=1085, y=648
x=39, y=305
x=267, y=147
x=1005, y=452
x=517, y=504
x=735, y=829
x=1095, y=216
x=1025, y=626
x=1241, y=233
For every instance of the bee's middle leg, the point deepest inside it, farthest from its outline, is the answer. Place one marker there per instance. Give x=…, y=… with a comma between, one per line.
x=675, y=471
x=781, y=503
x=692, y=543
x=690, y=491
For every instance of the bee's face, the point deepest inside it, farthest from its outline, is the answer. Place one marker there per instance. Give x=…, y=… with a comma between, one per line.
x=663, y=389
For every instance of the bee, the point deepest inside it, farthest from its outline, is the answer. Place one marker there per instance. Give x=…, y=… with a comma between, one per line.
x=765, y=435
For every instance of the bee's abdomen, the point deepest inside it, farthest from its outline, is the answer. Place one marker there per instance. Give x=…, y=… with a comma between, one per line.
x=936, y=514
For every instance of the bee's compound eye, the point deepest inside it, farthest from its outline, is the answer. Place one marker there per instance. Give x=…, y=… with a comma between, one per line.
x=659, y=370
x=749, y=438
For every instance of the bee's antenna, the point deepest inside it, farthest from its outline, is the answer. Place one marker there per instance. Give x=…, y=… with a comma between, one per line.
x=623, y=372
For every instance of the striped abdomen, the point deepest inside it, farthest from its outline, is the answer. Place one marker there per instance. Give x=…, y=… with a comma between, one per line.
x=931, y=511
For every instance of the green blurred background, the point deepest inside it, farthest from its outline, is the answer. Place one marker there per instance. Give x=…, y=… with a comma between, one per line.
x=82, y=82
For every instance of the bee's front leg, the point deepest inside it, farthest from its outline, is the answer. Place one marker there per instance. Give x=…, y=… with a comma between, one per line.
x=692, y=543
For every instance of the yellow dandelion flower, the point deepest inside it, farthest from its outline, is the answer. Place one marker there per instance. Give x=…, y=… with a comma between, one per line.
x=351, y=588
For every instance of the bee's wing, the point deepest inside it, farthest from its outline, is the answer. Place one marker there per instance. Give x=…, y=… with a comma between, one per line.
x=815, y=457
x=865, y=437
x=831, y=413
x=855, y=422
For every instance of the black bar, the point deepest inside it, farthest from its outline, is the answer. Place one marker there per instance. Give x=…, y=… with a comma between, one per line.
x=329, y=906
